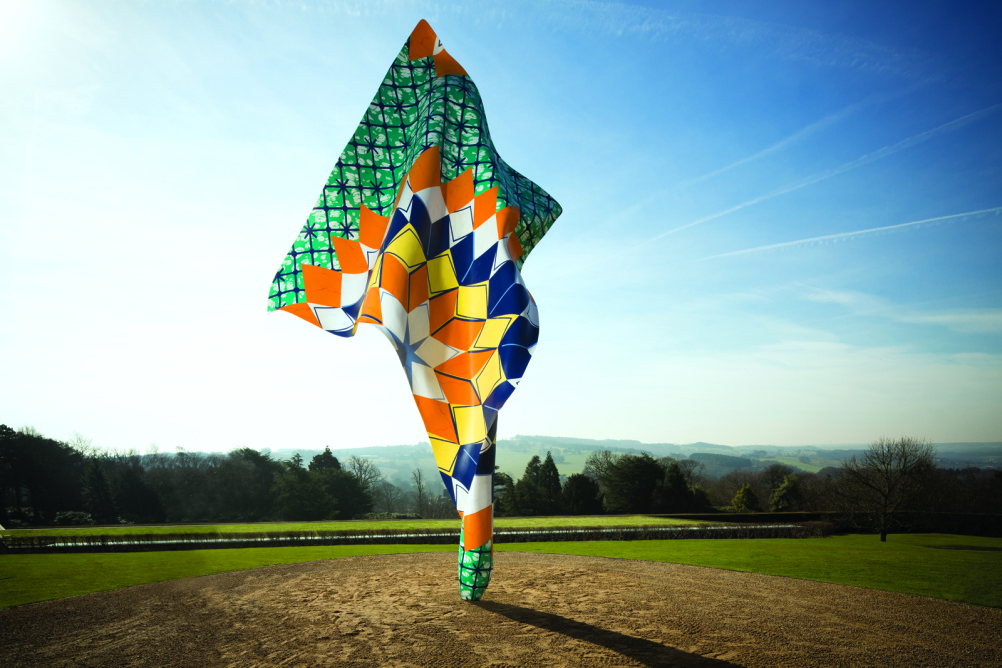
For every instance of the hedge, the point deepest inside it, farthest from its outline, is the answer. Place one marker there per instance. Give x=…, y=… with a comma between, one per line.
x=186, y=541
x=964, y=524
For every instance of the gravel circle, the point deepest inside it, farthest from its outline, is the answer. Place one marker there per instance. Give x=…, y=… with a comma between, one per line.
x=541, y=609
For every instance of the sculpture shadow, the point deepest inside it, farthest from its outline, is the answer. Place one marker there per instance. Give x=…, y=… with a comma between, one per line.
x=641, y=650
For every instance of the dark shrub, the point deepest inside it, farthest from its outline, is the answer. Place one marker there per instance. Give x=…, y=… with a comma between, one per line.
x=72, y=518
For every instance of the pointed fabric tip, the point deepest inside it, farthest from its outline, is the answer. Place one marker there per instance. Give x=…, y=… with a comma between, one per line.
x=423, y=41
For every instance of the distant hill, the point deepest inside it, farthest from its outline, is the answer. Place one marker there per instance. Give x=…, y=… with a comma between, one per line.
x=570, y=453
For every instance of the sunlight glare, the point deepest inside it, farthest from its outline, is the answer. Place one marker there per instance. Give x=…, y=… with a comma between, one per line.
x=14, y=16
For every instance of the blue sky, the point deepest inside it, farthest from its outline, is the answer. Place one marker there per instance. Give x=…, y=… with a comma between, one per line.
x=782, y=221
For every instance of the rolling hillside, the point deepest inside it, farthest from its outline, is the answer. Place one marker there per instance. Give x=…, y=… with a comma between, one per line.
x=397, y=461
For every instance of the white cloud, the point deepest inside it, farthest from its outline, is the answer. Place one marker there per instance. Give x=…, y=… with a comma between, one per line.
x=964, y=320
x=975, y=321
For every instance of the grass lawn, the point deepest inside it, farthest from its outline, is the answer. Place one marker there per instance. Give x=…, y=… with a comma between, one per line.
x=359, y=525
x=959, y=568
x=956, y=568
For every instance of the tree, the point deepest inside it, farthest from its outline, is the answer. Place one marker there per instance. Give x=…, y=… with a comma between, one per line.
x=549, y=487
x=701, y=500
x=366, y=472
x=136, y=501
x=817, y=489
x=673, y=495
x=694, y=472
x=995, y=491
x=504, y=495
x=38, y=476
x=441, y=507
x=581, y=496
x=773, y=475
x=346, y=489
x=246, y=479
x=325, y=461
x=787, y=496
x=388, y=497
x=631, y=483
x=98, y=499
x=728, y=484
x=745, y=500
x=420, y=494
x=598, y=466
x=889, y=477
x=9, y=492
x=183, y=483
x=302, y=494
x=528, y=494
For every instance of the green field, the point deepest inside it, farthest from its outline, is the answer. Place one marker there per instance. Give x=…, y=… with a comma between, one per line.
x=958, y=568
x=513, y=462
x=814, y=466
x=360, y=525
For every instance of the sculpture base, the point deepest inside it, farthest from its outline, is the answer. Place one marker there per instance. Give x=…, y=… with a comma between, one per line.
x=475, y=568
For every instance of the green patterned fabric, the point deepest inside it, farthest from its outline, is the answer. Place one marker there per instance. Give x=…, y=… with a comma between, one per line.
x=475, y=567
x=413, y=110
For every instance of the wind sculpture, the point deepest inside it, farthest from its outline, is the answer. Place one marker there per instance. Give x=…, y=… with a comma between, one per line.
x=421, y=231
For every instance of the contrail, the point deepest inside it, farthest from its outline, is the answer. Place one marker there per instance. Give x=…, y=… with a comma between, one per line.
x=844, y=235
x=782, y=143
x=805, y=131
x=858, y=162
x=800, y=134
x=796, y=185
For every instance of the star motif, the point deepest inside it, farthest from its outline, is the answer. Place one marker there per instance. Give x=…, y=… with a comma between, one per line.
x=381, y=187
x=399, y=107
x=341, y=187
x=407, y=352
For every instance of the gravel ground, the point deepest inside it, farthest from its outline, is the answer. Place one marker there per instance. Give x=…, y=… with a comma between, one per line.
x=551, y=610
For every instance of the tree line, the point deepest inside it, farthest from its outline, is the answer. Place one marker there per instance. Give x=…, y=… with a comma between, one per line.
x=45, y=481
x=611, y=483
x=870, y=490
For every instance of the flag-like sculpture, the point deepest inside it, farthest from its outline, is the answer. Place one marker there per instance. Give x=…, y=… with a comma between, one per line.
x=421, y=230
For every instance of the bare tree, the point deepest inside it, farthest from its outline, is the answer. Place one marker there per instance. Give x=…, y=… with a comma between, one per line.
x=816, y=491
x=887, y=478
x=387, y=497
x=694, y=472
x=598, y=466
x=420, y=493
x=441, y=507
x=725, y=487
x=367, y=473
x=83, y=445
x=773, y=475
